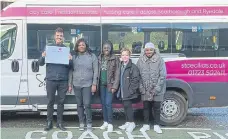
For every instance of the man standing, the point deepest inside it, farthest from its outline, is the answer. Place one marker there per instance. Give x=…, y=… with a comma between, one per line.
x=56, y=80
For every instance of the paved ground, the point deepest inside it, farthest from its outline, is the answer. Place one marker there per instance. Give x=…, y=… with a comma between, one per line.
x=211, y=123
x=26, y=133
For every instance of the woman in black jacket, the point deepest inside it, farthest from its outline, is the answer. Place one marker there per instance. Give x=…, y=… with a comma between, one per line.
x=128, y=90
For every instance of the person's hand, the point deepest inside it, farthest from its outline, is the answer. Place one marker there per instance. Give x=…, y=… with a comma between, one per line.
x=93, y=88
x=44, y=54
x=157, y=89
x=69, y=89
x=70, y=57
x=113, y=90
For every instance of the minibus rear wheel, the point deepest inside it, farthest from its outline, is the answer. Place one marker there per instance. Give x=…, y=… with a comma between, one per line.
x=173, y=108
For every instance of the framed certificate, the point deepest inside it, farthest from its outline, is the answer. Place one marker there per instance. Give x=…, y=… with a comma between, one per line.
x=57, y=55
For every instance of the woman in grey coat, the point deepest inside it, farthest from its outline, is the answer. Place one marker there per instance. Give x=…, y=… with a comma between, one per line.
x=152, y=84
x=83, y=78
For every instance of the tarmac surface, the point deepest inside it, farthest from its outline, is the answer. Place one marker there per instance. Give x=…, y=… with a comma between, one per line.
x=200, y=123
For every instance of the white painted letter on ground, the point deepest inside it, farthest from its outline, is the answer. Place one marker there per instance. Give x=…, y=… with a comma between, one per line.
x=84, y=135
x=29, y=134
x=144, y=135
x=199, y=135
x=105, y=134
x=69, y=134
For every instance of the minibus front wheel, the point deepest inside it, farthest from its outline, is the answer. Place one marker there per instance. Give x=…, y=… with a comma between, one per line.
x=173, y=108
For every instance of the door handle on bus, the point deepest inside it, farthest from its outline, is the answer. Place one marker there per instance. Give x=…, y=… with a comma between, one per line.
x=35, y=66
x=15, y=66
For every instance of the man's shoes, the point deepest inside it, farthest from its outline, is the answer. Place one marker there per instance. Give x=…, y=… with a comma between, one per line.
x=49, y=126
x=61, y=127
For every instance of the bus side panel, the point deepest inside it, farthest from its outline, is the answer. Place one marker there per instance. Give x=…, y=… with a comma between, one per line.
x=208, y=79
x=203, y=92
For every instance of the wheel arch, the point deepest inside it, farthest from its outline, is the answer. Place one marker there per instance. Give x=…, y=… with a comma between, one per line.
x=181, y=87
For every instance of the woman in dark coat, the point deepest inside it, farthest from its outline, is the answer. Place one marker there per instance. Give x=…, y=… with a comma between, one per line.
x=128, y=90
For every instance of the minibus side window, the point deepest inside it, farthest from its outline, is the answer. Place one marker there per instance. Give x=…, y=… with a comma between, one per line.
x=41, y=35
x=135, y=35
x=200, y=39
x=124, y=35
x=8, y=40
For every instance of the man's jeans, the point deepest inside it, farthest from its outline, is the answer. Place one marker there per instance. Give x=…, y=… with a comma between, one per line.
x=106, y=100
